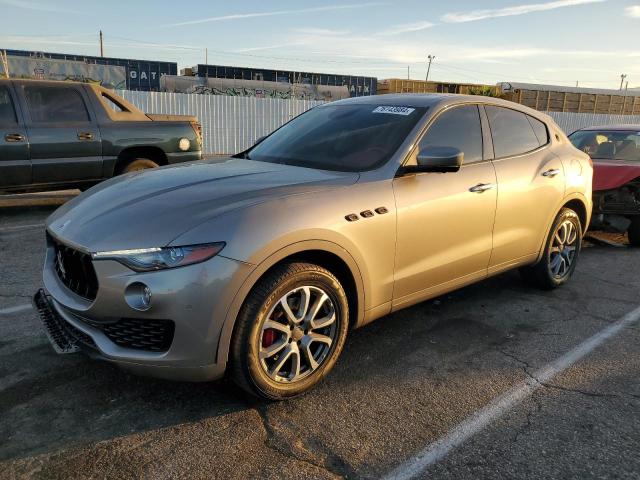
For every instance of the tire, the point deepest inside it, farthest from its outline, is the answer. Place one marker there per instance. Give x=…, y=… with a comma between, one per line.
x=559, y=259
x=275, y=376
x=633, y=232
x=139, y=164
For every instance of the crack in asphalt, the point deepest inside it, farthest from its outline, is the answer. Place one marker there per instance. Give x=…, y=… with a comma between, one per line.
x=526, y=367
x=277, y=442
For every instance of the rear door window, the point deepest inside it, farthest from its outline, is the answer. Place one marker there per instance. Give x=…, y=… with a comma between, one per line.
x=458, y=127
x=7, y=112
x=55, y=104
x=511, y=132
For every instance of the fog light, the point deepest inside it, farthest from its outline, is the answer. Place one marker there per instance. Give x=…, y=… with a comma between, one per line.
x=184, y=144
x=138, y=296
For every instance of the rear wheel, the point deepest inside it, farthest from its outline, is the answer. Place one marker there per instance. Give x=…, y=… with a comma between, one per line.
x=560, y=254
x=633, y=232
x=139, y=164
x=290, y=331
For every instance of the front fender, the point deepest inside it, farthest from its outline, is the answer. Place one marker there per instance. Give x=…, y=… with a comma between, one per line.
x=272, y=259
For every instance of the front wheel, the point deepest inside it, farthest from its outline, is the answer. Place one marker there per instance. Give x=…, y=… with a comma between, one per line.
x=138, y=164
x=560, y=254
x=289, y=332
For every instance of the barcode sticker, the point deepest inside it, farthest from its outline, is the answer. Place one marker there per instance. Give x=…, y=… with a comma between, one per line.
x=394, y=110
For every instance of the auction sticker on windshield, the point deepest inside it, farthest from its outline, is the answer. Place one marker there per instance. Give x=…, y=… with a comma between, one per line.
x=394, y=110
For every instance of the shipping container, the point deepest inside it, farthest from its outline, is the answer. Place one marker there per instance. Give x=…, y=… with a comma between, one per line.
x=140, y=74
x=358, y=86
x=555, y=98
x=398, y=85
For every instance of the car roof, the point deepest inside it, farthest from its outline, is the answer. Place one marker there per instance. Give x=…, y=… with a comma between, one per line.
x=417, y=100
x=612, y=128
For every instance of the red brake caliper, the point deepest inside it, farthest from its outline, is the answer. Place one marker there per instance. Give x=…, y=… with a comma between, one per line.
x=268, y=338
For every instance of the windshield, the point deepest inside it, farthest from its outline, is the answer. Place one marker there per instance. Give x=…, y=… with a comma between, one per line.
x=609, y=145
x=347, y=138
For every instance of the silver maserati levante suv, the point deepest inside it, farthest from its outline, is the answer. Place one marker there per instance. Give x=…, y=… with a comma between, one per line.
x=258, y=265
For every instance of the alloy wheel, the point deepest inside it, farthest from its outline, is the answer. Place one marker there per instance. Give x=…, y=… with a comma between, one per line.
x=297, y=334
x=563, y=249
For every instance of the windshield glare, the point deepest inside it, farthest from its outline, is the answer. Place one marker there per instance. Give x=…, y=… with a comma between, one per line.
x=339, y=137
x=608, y=145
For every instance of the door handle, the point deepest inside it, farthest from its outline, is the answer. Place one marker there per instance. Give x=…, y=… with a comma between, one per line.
x=482, y=187
x=85, y=136
x=551, y=173
x=14, y=137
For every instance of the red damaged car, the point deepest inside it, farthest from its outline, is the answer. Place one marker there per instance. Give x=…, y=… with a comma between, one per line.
x=615, y=151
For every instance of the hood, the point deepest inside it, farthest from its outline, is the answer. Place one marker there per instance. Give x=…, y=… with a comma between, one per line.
x=610, y=174
x=151, y=208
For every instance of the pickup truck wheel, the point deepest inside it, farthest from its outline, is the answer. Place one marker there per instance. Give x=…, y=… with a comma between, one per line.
x=633, y=232
x=290, y=331
x=560, y=254
x=139, y=164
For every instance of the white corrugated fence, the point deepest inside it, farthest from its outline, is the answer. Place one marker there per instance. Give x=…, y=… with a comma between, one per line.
x=232, y=124
x=229, y=124
x=570, y=122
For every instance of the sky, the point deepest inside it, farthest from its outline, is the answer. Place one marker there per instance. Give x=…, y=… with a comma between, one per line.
x=557, y=42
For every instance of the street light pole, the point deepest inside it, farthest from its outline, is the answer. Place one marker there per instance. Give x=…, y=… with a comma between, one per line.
x=622, y=77
x=431, y=58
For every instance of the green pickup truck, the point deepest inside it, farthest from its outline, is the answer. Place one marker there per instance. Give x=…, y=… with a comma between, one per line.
x=56, y=135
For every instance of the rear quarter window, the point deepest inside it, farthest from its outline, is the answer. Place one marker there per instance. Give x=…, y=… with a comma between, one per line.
x=540, y=130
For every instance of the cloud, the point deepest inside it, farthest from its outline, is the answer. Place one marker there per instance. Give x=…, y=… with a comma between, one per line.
x=38, y=6
x=269, y=47
x=242, y=16
x=407, y=27
x=474, y=15
x=321, y=32
x=633, y=11
x=43, y=41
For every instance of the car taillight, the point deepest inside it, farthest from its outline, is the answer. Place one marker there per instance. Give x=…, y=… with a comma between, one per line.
x=198, y=129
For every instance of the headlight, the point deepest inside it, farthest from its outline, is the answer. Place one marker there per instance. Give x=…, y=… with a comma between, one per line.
x=148, y=259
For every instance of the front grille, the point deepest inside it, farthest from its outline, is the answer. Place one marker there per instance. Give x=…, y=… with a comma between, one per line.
x=64, y=337
x=75, y=270
x=140, y=334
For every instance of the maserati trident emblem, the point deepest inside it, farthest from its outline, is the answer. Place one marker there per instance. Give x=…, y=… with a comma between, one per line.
x=63, y=272
x=63, y=225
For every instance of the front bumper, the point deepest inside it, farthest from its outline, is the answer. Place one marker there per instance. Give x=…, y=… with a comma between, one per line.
x=193, y=299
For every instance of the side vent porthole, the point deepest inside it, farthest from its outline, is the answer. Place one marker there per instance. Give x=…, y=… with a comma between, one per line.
x=366, y=214
x=382, y=210
x=352, y=217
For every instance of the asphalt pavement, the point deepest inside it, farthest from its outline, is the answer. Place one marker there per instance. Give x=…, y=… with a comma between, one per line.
x=403, y=388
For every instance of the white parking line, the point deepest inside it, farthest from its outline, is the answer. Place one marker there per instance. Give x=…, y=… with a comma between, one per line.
x=16, y=309
x=433, y=453
x=21, y=227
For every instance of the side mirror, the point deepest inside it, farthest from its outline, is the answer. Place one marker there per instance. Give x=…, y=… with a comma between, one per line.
x=437, y=159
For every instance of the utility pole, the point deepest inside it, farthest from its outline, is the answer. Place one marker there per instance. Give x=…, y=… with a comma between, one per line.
x=431, y=59
x=622, y=77
x=101, y=45
x=408, y=75
x=577, y=83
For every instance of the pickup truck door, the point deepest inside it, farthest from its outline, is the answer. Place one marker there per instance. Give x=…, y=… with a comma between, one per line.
x=63, y=134
x=15, y=166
